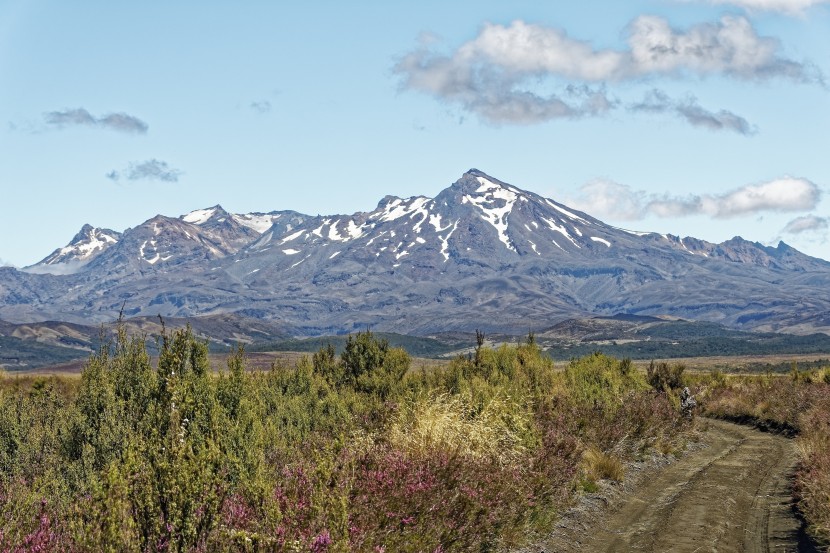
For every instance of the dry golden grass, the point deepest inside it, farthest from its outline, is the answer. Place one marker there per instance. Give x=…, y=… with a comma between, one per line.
x=448, y=423
x=598, y=465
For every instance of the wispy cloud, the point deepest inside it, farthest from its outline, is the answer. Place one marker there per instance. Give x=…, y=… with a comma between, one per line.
x=807, y=223
x=121, y=122
x=152, y=169
x=500, y=73
x=657, y=101
x=4, y=263
x=613, y=200
x=64, y=268
x=262, y=106
x=793, y=7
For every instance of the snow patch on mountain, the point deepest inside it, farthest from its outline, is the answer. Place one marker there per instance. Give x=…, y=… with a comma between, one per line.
x=145, y=255
x=633, y=232
x=291, y=237
x=97, y=241
x=398, y=207
x=259, y=222
x=567, y=213
x=199, y=216
x=445, y=242
x=353, y=230
x=83, y=248
x=560, y=229
x=495, y=202
x=533, y=245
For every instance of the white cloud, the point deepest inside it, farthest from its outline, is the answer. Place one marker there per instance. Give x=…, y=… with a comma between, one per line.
x=807, y=223
x=493, y=92
x=534, y=49
x=621, y=202
x=607, y=198
x=729, y=47
x=785, y=6
x=4, y=263
x=783, y=195
x=500, y=74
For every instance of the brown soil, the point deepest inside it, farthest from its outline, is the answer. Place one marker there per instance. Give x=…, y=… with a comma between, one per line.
x=734, y=494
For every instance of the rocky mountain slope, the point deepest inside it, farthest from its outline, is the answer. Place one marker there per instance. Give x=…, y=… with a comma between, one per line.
x=88, y=244
x=481, y=254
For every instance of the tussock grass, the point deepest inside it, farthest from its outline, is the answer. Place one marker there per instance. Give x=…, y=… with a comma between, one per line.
x=599, y=465
x=450, y=423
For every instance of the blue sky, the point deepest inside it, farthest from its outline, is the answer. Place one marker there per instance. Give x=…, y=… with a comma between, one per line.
x=701, y=118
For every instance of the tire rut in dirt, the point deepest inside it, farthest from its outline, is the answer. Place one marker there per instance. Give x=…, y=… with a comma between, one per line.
x=733, y=495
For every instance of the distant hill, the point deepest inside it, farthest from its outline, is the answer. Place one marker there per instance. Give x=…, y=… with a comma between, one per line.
x=34, y=345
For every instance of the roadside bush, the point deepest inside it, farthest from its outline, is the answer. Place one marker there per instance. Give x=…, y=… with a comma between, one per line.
x=665, y=378
x=601, y=380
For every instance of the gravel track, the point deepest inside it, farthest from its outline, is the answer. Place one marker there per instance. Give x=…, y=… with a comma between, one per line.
x=732, y=495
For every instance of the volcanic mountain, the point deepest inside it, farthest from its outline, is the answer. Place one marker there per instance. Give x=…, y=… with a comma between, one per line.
x=481, y=254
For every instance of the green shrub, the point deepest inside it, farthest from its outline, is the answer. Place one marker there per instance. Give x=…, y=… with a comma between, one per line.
x=599, y=379
x=349, y=453
x=665, y=378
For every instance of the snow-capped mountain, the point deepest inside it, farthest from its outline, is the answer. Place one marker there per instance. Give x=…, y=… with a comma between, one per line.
x=256, y=221
x=83, y=248
x=480, y=254
x=226, y=229
x=480, y=222
x=477, y=221
x=203, y=234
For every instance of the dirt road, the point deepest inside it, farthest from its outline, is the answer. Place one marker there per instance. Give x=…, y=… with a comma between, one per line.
x=733, y=495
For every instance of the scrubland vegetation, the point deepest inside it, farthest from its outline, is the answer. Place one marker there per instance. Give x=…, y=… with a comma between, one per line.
x=797, y=404
x=357, y=451
x=350, y=452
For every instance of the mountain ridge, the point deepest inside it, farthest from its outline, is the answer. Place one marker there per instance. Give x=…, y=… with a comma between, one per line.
x=481, y=253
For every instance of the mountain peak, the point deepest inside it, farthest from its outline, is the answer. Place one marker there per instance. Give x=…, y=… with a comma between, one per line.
x=86, y=245
x=201, y=216
x=386, y=200
x=478, y=183
x=85, y=230
x=473, y=172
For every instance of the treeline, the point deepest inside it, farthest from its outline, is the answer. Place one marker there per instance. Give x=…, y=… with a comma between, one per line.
x=744, y=344
x=349, y=452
